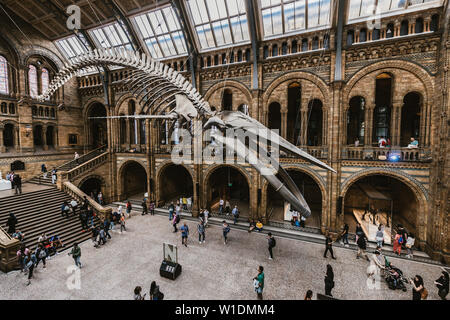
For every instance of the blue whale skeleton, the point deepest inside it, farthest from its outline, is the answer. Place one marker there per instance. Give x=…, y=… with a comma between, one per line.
x=165, y=94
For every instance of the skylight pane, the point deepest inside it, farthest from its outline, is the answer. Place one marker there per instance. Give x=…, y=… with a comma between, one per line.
x=221, y=8
x=289, y=17
x=218, y=33
x=240, y=29
x=300, y=15
x=202, y=37
x=180, y=44
x=142, y=27
x=324, y=18
x=367, y=8
x=355, y=6
x=267, y=22
x=213, y=10
x=226, y=31
x=313, y=13
x=383, y=6
x=276, y=20
x=172, y=23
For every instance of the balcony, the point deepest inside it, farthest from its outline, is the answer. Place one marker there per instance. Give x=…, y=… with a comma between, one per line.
x=377, y=153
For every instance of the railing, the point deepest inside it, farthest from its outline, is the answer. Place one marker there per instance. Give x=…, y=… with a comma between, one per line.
x=320, y=152
x=373, y=153
x=85, y=157
x=8, y=249
x=79, y=195
x=82, y=168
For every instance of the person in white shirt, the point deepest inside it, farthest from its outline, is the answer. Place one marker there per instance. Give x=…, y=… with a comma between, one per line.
x=221, y=202
x=382, y=142
x=294, y=217
x=76, y=157
x=206, y=215
x=409, y=244
x=357, y=142
x=74, y=205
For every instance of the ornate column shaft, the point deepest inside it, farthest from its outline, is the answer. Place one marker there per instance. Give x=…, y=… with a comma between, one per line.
x=284, y=123
x=2, y=145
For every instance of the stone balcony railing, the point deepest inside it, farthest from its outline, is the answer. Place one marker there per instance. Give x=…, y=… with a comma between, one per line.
x=74, y=192
x=374, y=153
x=84, y=167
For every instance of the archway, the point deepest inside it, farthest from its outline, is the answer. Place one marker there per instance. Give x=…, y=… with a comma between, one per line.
x=91, y=186
x=311, y=192
x=314, y=132
x=49, y=134
x=410, y=118
x=274, y=117
x=37, y=136
x=97, y=127
x=230, y=184
x=134, y=180
x=8, y=135
x=355, y=120
x=227, y=100
x=174, y=182
x=381, y=199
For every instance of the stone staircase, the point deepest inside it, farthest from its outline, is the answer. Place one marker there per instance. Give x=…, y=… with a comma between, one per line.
x=40, y=211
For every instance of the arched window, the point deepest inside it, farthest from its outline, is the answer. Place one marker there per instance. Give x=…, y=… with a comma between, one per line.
x=304, y=44
x=227, y=100
x=239, y=56
x=274, y=116
x=326, y=41
x=293, y=116
x=216, y=60
x=390, y=30
x=4, y=107
x=247, y=55
x=243, y=108
x=382, y=111
x=376, y=34
x=315, y=43
x=410, y=121
x=208, y=61
x=224, y=58
x=418, y=28
x=404, y=28
x=266, y=52
x=315, y=114
x=232, y=57
x=434, y=26
x=44, y=79
x=41, y=112
x=12, y=108
x=32, y=81
x=350, y=37
x=294, y=46
x=363, y=35
x=274, y=50
x=4, y=75
x=355, y=120
x=47, y=112
x=34, y=111
x=284, y=48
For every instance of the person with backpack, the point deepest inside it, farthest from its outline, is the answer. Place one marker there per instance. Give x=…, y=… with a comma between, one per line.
x=362, y=246
x=201, y=232
x=171, y=210
x=17, y=183
x=65, y=209
x=102, y=236
x=225, y=230
x=84, y=220
x=106, y=226
x=122, y=223
x=409, y=244
x=272, y=243
x=152, y=208
x=30, y=262
x=144, y=207
x=155, y=294
x=328, y=246
x=21, y=255
x=41, y=254
x=235, y=213
x=358, y=231
x=329, y=280
x=11, y=223
x=418, y=290
x=184, y=234
x=76, y=254
x=94, y=236
x=129, y=207
x=443, y=284
x=397, y=243
x=258, y=283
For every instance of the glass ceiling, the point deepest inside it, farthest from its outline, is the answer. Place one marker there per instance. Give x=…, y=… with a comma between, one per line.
x=161, y=32
x=112, y=36
x=219, y=23
x=286, y=16
x=365, y=8
x=71, y=47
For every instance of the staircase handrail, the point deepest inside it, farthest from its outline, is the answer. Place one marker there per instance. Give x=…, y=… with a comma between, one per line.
x=80, y=159
x=70, y=173
x=75, y=192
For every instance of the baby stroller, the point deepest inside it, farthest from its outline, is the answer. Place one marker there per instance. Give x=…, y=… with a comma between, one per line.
x=394, y=277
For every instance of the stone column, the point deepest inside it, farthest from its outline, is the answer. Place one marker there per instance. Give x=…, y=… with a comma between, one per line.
x=17, y=145
x=2, y=145
x=147, y=136
x=284, y=123
x=304, y=127
x=368, y=122
x=44, y=138
x=395, y=124
x=127, y=134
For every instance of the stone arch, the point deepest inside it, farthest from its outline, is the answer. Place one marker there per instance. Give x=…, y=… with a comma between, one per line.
x=298, y=76
x=234, y=85
x=384, y=66
x=102, y=184
x=37, y=50
x=159, y=175
x=211, y=169
x=121, y=171
x=89, y=103
x=91, y=134
x=122, y=102
x=417, y=189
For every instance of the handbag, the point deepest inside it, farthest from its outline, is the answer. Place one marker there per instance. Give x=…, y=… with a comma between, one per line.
x=424, y=294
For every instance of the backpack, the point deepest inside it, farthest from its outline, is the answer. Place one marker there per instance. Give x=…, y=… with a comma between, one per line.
x=42, y=254
x=424, y=294
x=272, y=243
x=400, y=240
x=226, y=229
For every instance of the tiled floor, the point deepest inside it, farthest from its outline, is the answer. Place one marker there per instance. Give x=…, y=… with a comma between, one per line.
x=210, y=271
